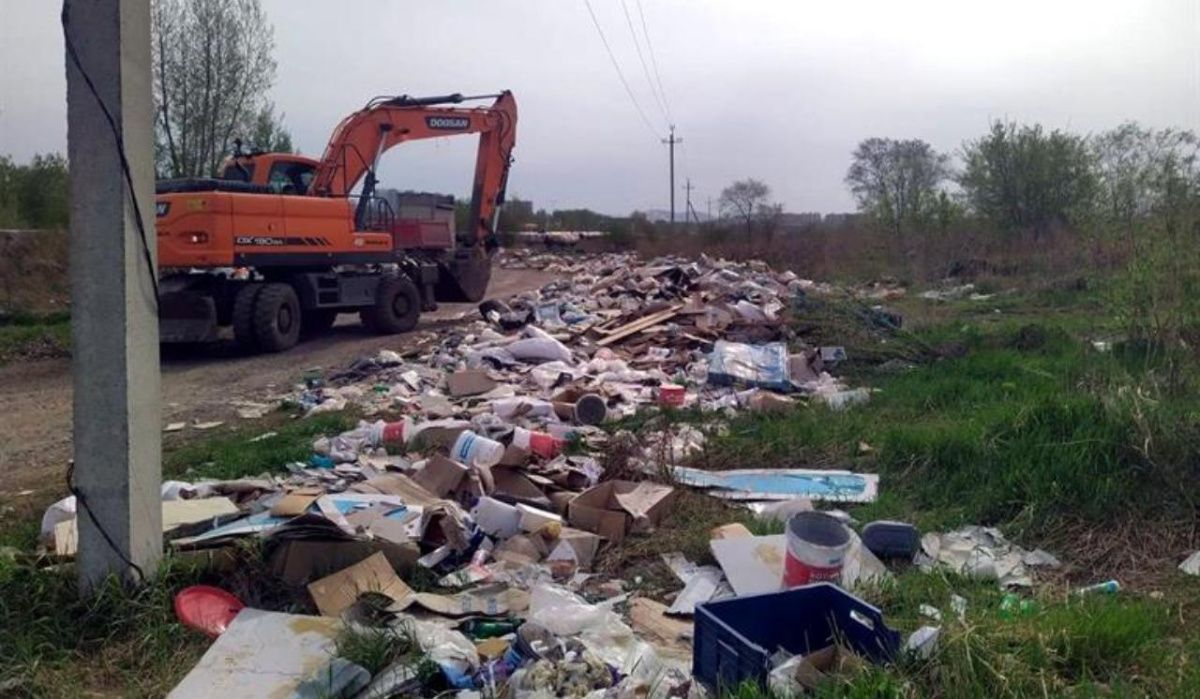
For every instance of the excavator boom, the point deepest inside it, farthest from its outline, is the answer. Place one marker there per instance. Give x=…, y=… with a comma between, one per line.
x=361, y=138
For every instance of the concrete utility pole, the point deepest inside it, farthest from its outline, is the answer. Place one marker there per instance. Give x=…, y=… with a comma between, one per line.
x=690, y=210
x=114, y=320
x=671, y=141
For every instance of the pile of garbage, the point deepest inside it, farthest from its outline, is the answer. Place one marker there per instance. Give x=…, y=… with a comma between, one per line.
x=483, y=468
x=708, y=334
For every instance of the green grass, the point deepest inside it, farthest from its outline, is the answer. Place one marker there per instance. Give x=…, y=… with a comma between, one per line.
x=1029, y=424
x=123, y=640
x=377, y=648
x=235, y=453
x=26, y=336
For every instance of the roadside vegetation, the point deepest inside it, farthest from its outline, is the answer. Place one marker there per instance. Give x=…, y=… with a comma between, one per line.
x=34, y=336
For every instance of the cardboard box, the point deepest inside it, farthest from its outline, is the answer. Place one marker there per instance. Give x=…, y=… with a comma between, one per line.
x=440, y=475
x=300, y=561
x=614, y=508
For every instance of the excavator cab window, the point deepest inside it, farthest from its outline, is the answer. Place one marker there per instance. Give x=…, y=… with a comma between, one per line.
x=291, y=178
x=238, y=172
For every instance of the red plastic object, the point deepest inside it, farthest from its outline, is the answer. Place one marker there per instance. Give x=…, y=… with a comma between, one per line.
x=671, y=395
x=207, y=609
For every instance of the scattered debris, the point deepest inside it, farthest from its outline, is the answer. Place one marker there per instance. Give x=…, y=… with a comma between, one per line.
x=983, y=552
x=464, y=513
x=1191, y=564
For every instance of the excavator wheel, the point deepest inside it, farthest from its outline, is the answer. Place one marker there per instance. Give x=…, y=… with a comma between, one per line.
x=277, y=318
x=243, y=317
x=317, y=322
x=397, y=306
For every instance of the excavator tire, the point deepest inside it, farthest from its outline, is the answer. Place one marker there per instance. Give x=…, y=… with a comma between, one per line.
x=277, y=318
x=317, y=322
x=397, y=307
x=242, y=317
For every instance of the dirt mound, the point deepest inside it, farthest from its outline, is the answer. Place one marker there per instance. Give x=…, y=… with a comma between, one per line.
x=33, y=271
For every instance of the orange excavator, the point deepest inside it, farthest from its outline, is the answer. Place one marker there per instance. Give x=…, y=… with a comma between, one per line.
x=279, y=245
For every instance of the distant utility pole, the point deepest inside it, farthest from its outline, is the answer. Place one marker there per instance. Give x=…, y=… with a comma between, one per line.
x=687, y=188
x=671, y=141
x=708, y=207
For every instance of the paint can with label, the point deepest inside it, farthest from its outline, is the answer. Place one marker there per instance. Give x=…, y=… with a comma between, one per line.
x=816, y=549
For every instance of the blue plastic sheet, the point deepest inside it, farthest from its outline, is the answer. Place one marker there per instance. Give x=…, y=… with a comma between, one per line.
x=782, y=484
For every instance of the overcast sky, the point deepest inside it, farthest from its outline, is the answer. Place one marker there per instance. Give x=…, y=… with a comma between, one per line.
x=781, y=91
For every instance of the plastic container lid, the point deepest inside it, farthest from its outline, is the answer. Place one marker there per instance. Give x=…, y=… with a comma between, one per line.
x=206, y=608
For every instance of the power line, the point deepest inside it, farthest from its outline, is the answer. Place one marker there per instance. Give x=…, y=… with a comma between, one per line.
x=654, y=62
x=642, y=59
x=617, y=66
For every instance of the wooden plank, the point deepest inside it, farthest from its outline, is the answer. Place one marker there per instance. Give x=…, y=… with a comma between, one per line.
x=639, y=325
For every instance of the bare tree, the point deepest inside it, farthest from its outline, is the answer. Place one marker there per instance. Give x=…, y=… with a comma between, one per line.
x=896, y=182
x=747, y=200
x=212, y=69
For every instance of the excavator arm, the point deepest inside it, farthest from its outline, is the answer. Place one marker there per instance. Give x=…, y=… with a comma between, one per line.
x=357, y=143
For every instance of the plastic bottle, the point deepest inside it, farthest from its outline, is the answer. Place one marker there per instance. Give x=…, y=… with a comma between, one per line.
x=1013, y=604
x=470, y=448
x=489, y=628
x=1108, y=586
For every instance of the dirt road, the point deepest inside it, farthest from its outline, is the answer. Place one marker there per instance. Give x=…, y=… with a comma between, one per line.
x=35, y=420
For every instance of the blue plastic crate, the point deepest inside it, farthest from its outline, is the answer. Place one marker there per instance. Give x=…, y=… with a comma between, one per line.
x=734, y=639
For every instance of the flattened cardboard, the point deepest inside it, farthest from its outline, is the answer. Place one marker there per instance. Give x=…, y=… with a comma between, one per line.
x=471, y=382
x=672, y=635
x=440, y=475
x=375, y=521
x=400, y=485
x=521, y=550
x=175, y=514
x=335, y=593
x=615, y=508
x=490, y=600
x=296, y=502
x=511, y=484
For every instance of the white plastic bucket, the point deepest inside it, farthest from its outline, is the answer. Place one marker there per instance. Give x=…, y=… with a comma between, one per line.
x=474, y=450
x=816, y=549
